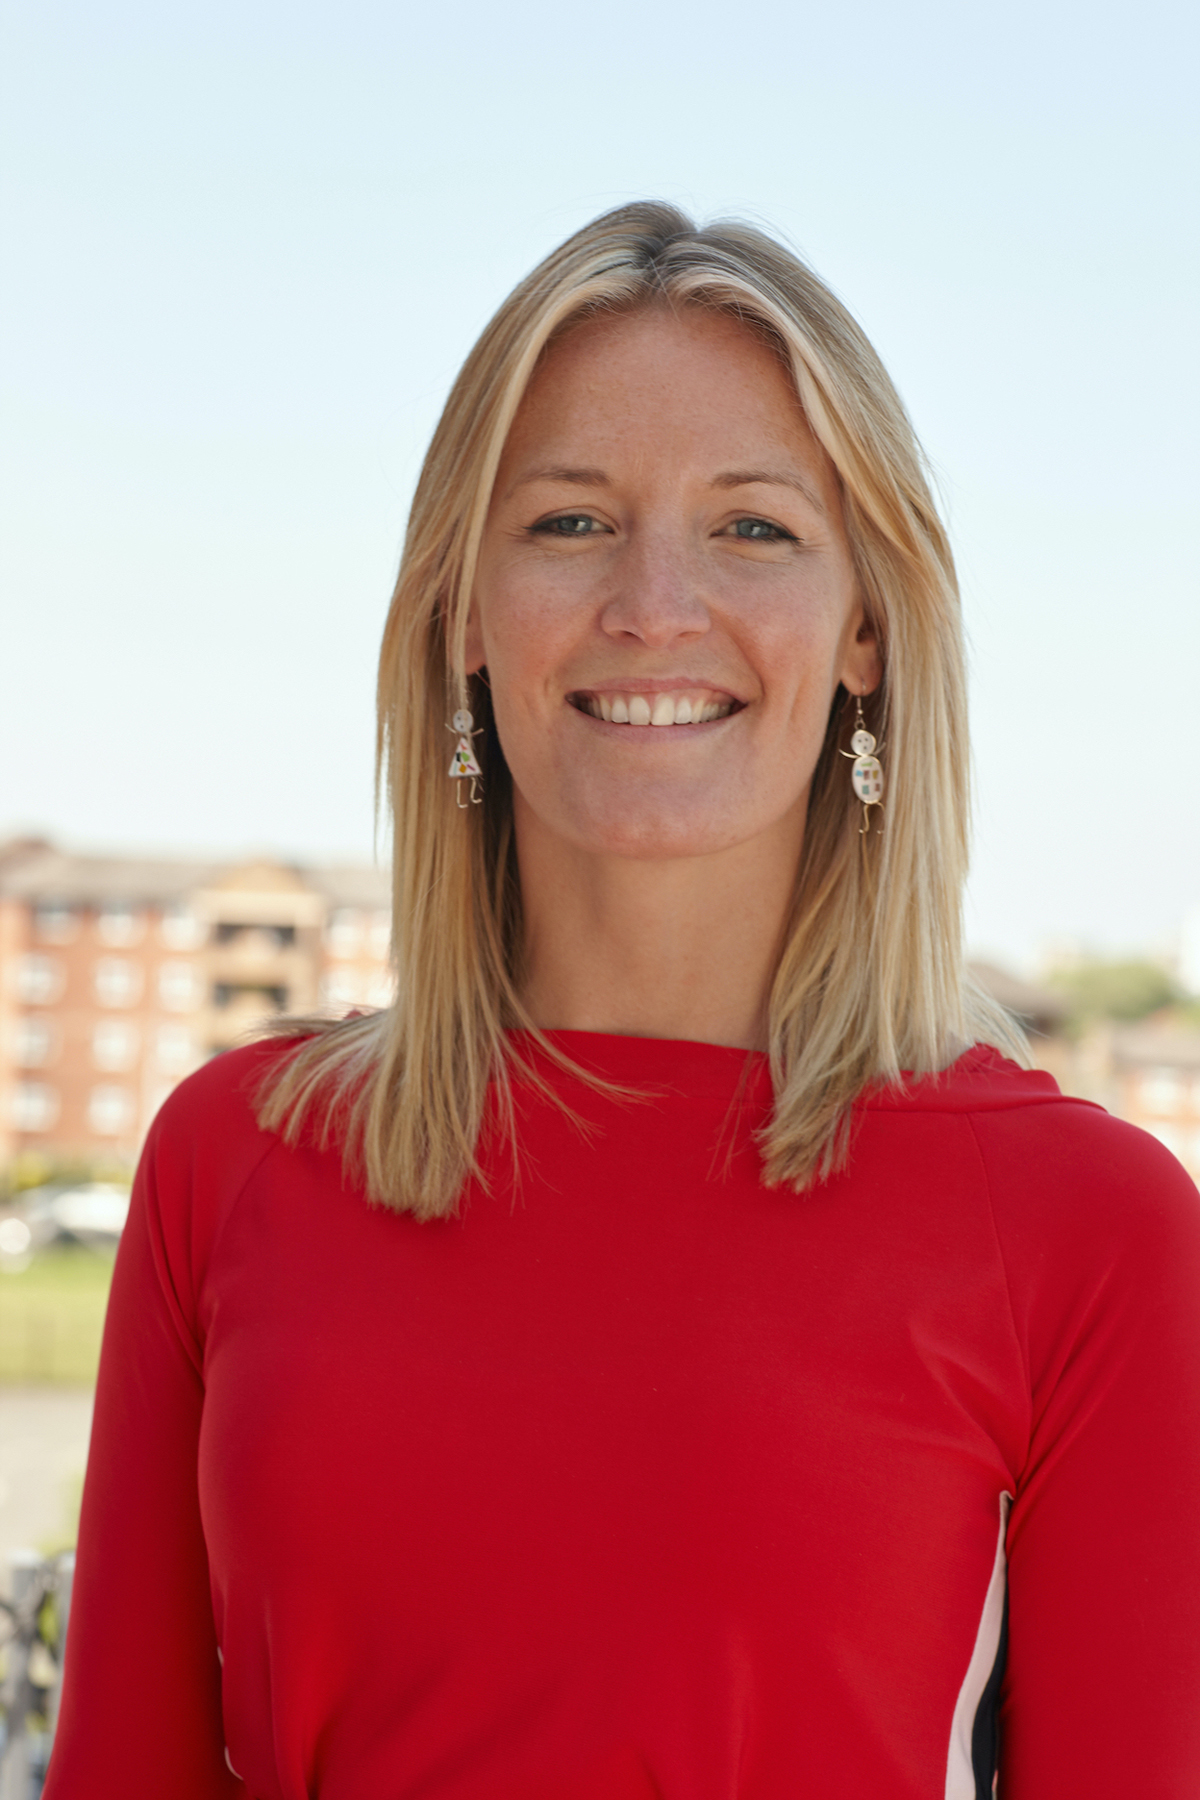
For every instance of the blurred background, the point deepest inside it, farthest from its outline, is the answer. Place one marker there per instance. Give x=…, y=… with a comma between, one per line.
x=249, y=245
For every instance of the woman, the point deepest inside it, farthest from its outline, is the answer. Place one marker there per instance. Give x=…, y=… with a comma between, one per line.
x=673, y=1351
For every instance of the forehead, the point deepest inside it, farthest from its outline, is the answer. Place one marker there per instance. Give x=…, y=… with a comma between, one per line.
x=689, y=378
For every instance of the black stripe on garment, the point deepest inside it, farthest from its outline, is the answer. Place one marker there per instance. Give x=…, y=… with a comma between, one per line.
x=985, y=1733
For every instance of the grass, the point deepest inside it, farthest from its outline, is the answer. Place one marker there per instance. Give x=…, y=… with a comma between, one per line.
x=51, y=1318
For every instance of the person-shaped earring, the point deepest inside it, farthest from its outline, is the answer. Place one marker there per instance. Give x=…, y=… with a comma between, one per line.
x=866, y=775
x=463, y=764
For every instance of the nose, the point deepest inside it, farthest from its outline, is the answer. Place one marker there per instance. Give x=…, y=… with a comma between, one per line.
x=658, y=598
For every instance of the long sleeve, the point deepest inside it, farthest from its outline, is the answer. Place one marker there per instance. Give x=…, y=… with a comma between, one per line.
x=663, y=1482
x=1101, y=1235
x=141, y=1714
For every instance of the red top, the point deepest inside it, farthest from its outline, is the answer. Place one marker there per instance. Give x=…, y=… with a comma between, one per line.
x=642, y=1479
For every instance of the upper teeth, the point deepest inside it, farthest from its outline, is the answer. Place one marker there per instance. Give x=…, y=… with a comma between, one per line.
x=656, y=709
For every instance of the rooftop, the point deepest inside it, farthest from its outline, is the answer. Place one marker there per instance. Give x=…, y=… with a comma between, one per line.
x=42, y=874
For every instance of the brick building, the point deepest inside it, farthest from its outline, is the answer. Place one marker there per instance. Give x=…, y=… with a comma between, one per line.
x=119, y=975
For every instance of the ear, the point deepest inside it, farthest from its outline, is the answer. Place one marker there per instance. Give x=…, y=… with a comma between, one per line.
x=474, y=657
x=862, y=665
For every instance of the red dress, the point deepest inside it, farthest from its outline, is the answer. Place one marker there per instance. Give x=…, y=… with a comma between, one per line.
x=641, y=1479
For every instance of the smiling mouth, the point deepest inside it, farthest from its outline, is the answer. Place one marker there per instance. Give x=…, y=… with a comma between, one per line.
x=688, y=706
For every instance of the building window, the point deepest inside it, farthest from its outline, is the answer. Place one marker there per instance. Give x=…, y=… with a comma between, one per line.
x=265, y=997
x=178, y=987
x=40, y=979
x=356, y=987
x=115, y=1044
x=1161, y=1092
x=343, y=934
x=118, y=981
x=34, y=1106
x=175, y=1049
x=119, y=924
x=263, y=937
x=180, y=929
x=34, y=1042
x=110, y=1110
x=54, y=922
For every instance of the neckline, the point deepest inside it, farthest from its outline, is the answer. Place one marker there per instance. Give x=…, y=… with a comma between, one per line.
x=688, y=1067
x=684, y=1066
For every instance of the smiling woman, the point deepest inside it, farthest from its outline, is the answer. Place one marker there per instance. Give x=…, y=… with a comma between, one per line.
x=843, y=964
x=662, y=597
x=734, y=1370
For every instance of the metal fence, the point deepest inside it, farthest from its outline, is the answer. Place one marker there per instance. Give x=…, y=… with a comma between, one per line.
x=33, y=1632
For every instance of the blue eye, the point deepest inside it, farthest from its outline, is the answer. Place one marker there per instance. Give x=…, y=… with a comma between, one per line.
x=568, y=525
x=761, y=531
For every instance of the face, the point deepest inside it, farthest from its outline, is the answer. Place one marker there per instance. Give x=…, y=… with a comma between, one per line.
x=666, y=599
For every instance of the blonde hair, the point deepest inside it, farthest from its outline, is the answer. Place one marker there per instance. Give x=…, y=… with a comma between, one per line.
x=871, y=979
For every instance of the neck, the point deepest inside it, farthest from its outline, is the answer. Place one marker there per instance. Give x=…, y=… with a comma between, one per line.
x=684, y=947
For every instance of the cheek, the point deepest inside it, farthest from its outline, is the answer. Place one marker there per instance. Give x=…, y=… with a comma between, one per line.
x=521, y=650
x=508, y=643
x=801, y=649
x=517, y=618
x=531, y=628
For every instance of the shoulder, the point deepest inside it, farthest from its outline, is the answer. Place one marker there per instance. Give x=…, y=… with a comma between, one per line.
x=981, y=1080
x=226, y=1086
x=225, y=1082
x=1083, y=1201
x=205, y=1144
x=1052, y=1161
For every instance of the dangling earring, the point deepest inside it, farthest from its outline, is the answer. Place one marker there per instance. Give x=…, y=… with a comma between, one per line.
x=463, y=763
x=866, y=776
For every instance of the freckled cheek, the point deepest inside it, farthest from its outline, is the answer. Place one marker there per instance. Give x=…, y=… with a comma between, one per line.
x=799, y=670
x=804, y=633
x=528, y=629
x=793, y=666
x=524, y=647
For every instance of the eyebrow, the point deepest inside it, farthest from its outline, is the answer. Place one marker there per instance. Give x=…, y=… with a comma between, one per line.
x=734, y=478
x=730, y=478
x=572, y=477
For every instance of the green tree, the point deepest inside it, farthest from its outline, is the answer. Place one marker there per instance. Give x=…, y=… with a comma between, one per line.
x=1124, y=990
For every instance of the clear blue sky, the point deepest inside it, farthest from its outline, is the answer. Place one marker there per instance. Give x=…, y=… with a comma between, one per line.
x=248, y=245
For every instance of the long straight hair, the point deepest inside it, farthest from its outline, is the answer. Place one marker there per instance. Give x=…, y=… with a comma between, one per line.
x=871, y=980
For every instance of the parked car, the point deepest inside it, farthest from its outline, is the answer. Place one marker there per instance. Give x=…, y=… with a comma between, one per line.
x=92, y=1214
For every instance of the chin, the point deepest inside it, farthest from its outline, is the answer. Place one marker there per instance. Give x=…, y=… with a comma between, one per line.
x=655, y=820
x=650, y=832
